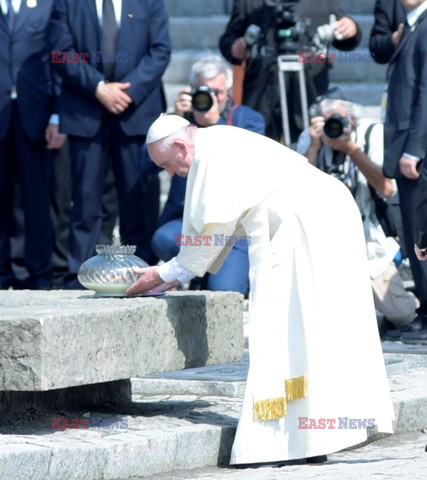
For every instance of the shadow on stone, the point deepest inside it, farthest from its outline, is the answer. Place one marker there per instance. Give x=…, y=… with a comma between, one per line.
x=191, y=329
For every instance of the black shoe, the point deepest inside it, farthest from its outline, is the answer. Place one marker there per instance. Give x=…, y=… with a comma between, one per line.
x=279, y=464
x=415, y=325
x=317, y=459
x=416, y=336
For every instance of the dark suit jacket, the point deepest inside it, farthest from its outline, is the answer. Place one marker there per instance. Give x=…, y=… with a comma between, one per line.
x=25, y=63
x=421, y=208
x=406, y=121
x=388, y=15
x=144, y=47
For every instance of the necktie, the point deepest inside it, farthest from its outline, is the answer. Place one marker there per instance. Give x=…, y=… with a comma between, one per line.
x=10, y=15
x=109, y=37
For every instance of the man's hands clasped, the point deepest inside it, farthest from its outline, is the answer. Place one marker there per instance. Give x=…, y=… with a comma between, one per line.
x=114, y=96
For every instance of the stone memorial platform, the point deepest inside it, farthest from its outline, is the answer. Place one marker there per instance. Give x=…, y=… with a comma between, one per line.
x=69, y=348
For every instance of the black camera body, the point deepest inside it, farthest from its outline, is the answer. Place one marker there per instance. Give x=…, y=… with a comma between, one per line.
x=335, y=125
x=289, y=28
x=202, y=98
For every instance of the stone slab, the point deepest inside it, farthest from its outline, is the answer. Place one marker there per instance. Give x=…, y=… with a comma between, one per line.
x=59, y=339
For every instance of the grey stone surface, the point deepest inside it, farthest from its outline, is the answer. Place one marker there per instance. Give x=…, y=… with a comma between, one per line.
x=399, y=456
x=59, y=339
x=24, y=462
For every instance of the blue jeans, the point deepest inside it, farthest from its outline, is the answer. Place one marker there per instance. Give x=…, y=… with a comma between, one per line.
x=232, y=276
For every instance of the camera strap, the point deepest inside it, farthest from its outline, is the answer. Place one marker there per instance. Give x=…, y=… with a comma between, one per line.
x=230, y=115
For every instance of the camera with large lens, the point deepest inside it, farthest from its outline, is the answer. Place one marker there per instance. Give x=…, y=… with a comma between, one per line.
x=202, y=98
x=335, y=125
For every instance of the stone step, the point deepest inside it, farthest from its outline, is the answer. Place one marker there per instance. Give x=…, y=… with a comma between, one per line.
x=368, y=94
x=205, y=31
x=356, y=66
x=198, y=8
x=359, y=6
x=197, y=32
x=194, y=8
x=348, y=66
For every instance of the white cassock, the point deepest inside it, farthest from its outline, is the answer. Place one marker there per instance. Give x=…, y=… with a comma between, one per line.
x=314, y=346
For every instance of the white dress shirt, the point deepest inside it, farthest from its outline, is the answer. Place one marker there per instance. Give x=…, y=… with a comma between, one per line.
x=414, y=15
x=15, y=3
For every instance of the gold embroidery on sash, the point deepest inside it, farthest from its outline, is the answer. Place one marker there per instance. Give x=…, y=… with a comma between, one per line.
x=270, y=409
x=296, y=388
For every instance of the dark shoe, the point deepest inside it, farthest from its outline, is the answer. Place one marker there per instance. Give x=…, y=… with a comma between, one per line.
x=418, y=336
x=279, y=464
x=317, y=459
x=415, y=325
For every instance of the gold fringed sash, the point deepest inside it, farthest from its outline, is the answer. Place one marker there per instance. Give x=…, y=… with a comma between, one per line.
x=270, y=409
x=296, y=388
x=275, y=408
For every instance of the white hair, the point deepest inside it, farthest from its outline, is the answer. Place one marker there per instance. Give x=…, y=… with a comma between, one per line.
x=210, y=67
x=333, y=104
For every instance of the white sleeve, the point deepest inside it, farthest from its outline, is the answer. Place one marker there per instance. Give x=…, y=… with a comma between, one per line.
x=172, y=270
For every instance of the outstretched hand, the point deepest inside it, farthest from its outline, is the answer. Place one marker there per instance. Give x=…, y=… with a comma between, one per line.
x=149, y=278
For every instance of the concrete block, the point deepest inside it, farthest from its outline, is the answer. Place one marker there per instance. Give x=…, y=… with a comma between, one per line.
x=24, y=462
x=60, y=339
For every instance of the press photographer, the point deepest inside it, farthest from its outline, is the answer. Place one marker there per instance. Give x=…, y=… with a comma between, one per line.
x=342, y=145
x=260, y=85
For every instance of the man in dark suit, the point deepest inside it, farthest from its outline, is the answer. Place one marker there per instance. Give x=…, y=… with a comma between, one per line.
x=26, y=107
x=111, y=55
x=406, y=134
x=260, y=86
x=387, y=31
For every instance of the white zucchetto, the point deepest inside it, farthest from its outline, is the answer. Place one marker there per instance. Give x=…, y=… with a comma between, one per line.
x=164, y=126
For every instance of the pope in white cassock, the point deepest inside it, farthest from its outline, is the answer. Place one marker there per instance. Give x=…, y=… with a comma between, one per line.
x=317, y=378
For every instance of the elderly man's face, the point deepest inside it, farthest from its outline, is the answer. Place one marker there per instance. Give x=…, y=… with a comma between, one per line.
x=176, y=160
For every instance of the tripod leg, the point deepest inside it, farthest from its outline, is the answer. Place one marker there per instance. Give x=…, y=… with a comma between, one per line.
x=284, y=104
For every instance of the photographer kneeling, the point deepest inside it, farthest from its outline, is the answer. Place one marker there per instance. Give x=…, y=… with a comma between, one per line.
x=340, y=145
x=205, y=102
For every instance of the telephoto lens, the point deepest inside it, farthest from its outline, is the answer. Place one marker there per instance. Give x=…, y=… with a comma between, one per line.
x=202, y=98
x=335, y=125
